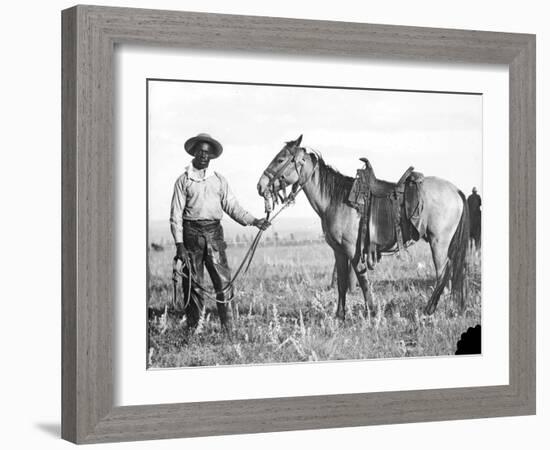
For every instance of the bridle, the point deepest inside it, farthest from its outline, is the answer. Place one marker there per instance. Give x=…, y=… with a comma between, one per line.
x=273, y=195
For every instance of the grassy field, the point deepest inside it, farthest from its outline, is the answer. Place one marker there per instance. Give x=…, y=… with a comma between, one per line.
x=284, y=312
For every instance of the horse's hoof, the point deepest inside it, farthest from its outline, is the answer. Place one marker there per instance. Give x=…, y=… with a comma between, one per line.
x=429, y=310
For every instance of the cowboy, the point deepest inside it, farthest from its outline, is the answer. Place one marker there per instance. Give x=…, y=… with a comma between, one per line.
x=474, y=206
x=200, y=198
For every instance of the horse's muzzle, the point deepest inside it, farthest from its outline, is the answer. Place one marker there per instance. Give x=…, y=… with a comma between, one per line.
x=262, y=185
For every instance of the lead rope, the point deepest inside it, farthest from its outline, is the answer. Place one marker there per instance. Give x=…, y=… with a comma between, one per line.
x=186, y=271
x=247, y=259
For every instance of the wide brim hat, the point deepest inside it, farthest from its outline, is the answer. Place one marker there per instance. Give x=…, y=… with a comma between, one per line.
x=191, y=144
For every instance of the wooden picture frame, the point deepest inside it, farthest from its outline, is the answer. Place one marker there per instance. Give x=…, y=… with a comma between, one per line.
x=89, y=37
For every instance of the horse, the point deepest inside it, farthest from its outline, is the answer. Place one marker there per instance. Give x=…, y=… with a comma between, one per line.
x=445, y=212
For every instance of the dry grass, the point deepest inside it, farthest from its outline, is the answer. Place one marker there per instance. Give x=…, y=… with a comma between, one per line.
x=284, y=312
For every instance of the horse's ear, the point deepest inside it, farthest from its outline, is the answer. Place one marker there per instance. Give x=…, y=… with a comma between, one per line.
x=298, y=141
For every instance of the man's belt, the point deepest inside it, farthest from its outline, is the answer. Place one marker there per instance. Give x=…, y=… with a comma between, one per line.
x=201, y=224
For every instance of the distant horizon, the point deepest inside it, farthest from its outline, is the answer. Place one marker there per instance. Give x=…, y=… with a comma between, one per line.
x=299, y=226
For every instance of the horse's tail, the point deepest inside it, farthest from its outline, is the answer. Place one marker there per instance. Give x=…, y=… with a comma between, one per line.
x=458, y=249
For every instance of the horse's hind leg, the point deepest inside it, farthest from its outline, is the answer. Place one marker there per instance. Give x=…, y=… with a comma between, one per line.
x=342, y=268
x=441, y=262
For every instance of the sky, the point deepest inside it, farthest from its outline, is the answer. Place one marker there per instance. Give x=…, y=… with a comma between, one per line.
x=439, y=134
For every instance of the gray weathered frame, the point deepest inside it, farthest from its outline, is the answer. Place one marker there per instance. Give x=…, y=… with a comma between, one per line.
x=89, y=36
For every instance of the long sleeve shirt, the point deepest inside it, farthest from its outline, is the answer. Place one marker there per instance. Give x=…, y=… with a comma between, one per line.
x=200, y=195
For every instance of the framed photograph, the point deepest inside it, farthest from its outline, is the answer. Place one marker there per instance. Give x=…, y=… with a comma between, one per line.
x=279, y=224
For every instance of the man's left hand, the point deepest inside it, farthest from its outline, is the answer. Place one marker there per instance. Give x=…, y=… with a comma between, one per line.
x=262, y=224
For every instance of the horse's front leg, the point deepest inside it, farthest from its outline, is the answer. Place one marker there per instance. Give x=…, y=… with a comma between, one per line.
x=366, y=288
x=342, y=269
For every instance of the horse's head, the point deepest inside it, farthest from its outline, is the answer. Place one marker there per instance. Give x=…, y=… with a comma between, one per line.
x=284, y=170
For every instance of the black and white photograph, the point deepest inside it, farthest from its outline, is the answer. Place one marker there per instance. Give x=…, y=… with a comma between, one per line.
x=311, y=223
x=275, y=224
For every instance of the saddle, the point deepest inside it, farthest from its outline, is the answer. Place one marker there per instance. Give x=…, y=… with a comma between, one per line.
x=390, y=212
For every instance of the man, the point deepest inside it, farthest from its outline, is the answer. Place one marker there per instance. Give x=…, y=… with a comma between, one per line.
x=474, y=205
x=200, y=198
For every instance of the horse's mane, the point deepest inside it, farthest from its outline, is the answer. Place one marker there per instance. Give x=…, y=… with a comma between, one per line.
x=332, y=183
